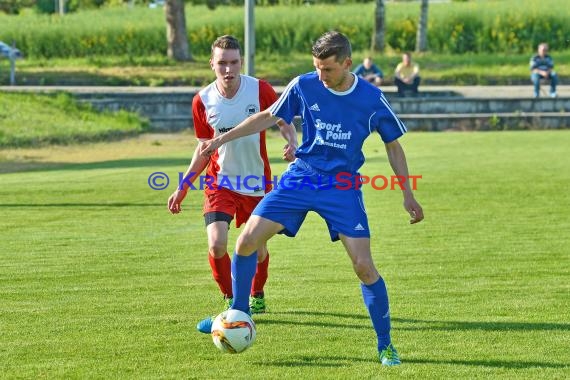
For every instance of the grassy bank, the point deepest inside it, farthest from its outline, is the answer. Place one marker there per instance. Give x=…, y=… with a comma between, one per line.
x=35, y=120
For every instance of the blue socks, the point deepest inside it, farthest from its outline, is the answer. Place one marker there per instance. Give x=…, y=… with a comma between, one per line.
x=376, y=300
x=243, y=270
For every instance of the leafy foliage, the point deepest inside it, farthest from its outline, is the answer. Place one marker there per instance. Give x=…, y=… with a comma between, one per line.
x=13, y=7
x=455, y=28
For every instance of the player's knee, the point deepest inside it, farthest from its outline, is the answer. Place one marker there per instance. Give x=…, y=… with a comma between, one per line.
x=261, y=253
x=217, y=250
x=246, y=243
x=365, y=270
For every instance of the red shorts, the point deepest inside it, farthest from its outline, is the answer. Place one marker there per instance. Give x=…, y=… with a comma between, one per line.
x=229, y=202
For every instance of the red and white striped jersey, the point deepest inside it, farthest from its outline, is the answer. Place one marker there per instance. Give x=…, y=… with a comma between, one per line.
x=241, y=164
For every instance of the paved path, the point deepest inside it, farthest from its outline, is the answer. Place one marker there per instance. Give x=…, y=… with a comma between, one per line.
x=495, y=92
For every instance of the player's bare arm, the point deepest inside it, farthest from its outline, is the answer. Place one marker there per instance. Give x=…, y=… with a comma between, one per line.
x=397, y=159
x=289, y=133
x=253, y=124
x=196, y=167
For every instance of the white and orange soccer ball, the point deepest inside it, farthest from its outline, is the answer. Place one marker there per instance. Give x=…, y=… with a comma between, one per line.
x=233, y=331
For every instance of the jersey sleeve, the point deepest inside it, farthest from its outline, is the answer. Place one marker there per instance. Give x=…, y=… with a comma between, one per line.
x=386, y=123
x=288, y=105
x=201, y=127
x=267, y=95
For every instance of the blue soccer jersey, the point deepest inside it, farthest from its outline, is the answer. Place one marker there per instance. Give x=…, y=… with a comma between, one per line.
x=335, y=124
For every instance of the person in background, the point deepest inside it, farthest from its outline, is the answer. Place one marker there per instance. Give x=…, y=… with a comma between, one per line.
x=369, y=71
x=407, y=75
x=541, y=67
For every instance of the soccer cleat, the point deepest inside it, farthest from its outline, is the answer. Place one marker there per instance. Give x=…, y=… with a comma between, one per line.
x=205, y=325
x=389, y=356
x=228, y=302
x=257, y=304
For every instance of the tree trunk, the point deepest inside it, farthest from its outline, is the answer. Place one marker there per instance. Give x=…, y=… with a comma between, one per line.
x=379, y=33
x=178, y=47
x=421, y=37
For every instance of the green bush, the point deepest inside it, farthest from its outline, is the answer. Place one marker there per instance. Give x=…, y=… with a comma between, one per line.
x=452, y=28
x=14, y=7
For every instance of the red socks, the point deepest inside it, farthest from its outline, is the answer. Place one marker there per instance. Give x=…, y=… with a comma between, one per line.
x=222, y=272
x=260, y=278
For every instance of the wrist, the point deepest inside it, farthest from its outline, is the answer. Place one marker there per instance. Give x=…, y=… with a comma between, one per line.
x=219, y=141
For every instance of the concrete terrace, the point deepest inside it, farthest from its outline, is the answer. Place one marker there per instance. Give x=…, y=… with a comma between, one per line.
x=436, y=108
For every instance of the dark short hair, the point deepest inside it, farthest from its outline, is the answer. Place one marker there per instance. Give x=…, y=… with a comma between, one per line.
x=226, y=42
x=332, y=44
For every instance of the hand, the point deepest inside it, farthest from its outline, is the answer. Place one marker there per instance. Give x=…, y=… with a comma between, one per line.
x=414, y=209
x=209, y=147
x=289, y=152
x=175, y=201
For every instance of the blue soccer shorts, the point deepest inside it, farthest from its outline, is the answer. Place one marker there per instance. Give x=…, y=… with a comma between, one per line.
x=301, y=190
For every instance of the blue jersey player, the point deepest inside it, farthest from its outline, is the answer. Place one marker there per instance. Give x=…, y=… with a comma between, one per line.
x=339, y=111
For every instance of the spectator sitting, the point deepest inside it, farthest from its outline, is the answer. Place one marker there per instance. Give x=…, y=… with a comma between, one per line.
x=541, y=66
x=369, y=71
x=407, y=75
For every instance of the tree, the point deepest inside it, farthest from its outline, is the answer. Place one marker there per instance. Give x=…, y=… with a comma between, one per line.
x=177, y=39
x=379, y=33
x=421, y=37
x=13, y=7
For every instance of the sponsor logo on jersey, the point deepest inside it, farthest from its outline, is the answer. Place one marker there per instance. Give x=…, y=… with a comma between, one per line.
x=330, y=133
x=224, y=130
x=314, y=107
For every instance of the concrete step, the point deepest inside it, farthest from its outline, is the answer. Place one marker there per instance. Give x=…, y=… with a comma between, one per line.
x=487, y=121
x=459, y=105
x=436, y=108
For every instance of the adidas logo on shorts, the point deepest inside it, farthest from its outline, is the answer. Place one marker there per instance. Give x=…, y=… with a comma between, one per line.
x=359, y=227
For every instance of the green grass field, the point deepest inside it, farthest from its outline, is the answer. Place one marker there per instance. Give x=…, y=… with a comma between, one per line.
x=98, y=280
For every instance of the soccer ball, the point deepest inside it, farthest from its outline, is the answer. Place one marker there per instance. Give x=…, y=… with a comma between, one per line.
x=233, y=331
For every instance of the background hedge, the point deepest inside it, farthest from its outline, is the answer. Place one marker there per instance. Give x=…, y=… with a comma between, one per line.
x=458, y=27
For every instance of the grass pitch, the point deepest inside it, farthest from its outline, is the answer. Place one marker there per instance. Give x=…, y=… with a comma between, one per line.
x=98, y=280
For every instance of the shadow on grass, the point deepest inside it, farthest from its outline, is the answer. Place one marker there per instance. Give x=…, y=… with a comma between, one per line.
x=53, y=77
x=58, y=77
x=34, y=166
x=315, y=361
x=419, y=324
x=489, y=363
x=422, y=324
x=100, y=204
x=305, y=323
x=343, y=361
